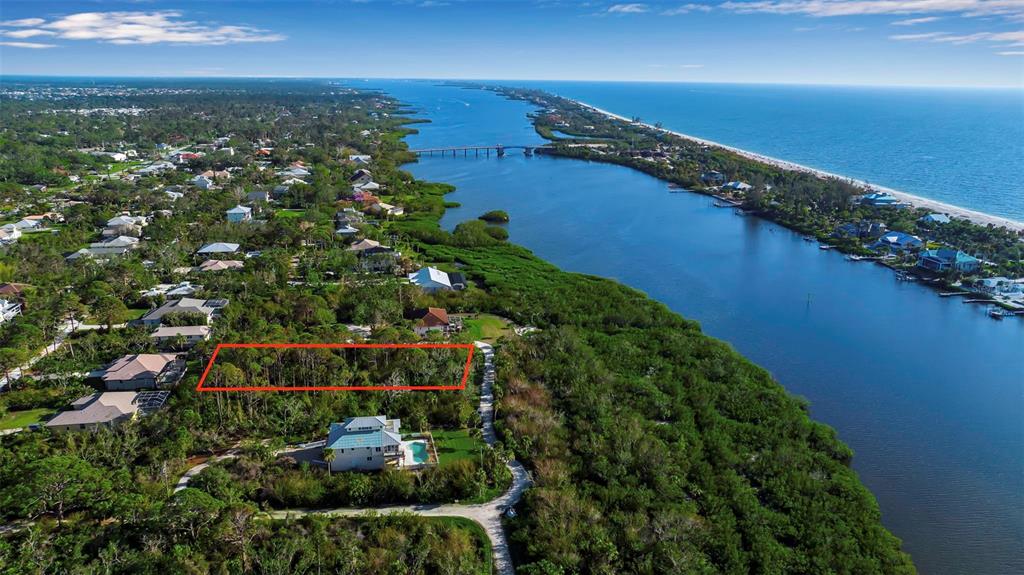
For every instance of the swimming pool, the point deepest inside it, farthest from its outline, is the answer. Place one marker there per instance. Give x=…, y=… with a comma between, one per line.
x=420, y=453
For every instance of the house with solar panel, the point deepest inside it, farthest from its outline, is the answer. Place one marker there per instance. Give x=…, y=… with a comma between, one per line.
x=365, y=443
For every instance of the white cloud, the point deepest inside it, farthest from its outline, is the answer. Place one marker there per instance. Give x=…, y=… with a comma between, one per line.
x=23, y=22
x=163, y=27
x=915, y=21
x=628, y=9
x=33, y=45
x=686, y=9
x=826, y=8
x=1013, y=38
x=1011, y=53
x=691, y=66
x=27, y=33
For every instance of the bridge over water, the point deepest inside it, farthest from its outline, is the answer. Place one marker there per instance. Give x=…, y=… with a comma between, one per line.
x=498, y=149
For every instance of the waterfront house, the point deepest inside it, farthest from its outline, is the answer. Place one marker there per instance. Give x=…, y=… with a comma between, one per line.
x=185, y=336
x=935, y=219
x=207, y=309
x=143, y=371
x=897, y=242
x=714, y=178
x=365, y=443
x=431, y=279
x=239, y=214
x=878, y=199
x=430, y=319
x=860, y=229
x=1001, y=286
x=218, y=248
x=99, y=409
x=738, y=186
x=947, y=259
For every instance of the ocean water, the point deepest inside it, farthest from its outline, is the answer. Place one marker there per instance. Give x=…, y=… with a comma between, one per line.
x=928, y=391
x=960, y=146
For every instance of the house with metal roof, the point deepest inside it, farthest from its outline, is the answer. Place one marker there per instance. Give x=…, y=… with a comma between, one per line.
x=431, y=279
x=184, y=337
x=365, y=443
x=897, y=242
x=239, y=214
x=218, y=248
x=205, y=308
x=946, y=259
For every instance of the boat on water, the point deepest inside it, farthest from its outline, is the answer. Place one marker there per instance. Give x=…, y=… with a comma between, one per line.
x=825, y=247
x=722, y=205
x=808, y=239
x=854, y=258
x=997, y=313
x=905, y=277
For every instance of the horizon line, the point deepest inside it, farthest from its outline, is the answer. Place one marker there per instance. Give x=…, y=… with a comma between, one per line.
x=1014, y=87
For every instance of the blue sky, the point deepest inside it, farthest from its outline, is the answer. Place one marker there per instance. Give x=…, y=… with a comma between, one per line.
x=880, y=42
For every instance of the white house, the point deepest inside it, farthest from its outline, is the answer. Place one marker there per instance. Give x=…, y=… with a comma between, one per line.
x=8, y=310
x=431, y=279
x=935, y=219
x=9, y=234
x=365, y=443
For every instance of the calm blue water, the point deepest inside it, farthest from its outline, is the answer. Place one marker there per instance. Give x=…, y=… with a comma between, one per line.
x=928, y=391
x=964, y=147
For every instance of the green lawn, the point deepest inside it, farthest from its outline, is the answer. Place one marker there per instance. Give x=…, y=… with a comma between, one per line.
x=455, y=444
x=133, y=313
x=289, y=213
x=485, y=327
x=16, y=419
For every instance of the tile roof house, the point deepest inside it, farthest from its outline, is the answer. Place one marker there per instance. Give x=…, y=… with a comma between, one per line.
x=144, y=371
x=92, y=411
x=365, y=443
x=430, y=319
x=431, y=279
x=946, y=259
x=220, y=265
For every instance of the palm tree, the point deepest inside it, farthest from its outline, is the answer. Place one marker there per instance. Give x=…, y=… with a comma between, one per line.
x=329, y=456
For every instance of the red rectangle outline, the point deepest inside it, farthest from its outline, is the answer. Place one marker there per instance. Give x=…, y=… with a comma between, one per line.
x=462, y=384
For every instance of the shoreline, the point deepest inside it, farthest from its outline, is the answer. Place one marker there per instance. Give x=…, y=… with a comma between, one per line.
x=979, y=218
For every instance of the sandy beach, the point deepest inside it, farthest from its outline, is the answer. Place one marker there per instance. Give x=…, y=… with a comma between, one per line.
x=952, y=211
